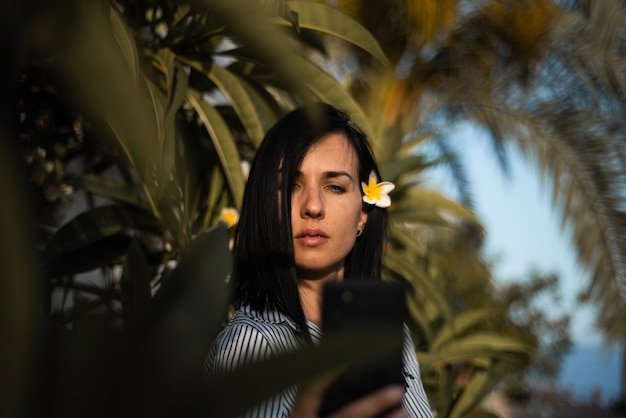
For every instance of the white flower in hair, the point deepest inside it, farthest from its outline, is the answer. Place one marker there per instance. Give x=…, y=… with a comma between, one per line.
x=376, y=193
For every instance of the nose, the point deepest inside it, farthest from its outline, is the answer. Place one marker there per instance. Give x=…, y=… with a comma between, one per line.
x=312, y=204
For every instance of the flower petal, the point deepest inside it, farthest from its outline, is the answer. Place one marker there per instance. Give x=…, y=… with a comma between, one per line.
x=369, y=200
x=386, y=186
x=383, y=201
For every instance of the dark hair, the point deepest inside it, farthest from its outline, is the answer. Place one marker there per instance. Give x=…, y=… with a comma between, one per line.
x=264, y=266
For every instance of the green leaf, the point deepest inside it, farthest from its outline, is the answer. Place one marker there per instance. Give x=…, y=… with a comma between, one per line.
x=126, y=42
x=176, y=173
x=135, y=284
x=447, y=389
x=432, y=206
x=403, y=265
x=166, y=100
x=397, y=167
x=113, y=92
x=481, y=384
x=418, y=315
x=224, y=144
x=481, y=344
x=276, y=8
x=326, y=19
x=331, y=91
x=177, y=93
x=97, y=224
x=411, y=143
x=182, y=11
x=418, y=216
x=461, y=323
x=404, y=236
x=282, y=371
x=256, y=30
x=216, y=183
x=110, y=188
x=191, y=305
x=158, y=102
x=21, y=286
x=244, y=100
x=104, y=252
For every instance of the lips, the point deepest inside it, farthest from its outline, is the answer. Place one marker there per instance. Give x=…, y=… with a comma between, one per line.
x=311, y=237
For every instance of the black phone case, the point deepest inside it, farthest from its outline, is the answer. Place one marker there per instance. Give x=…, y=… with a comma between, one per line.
x=373, y=306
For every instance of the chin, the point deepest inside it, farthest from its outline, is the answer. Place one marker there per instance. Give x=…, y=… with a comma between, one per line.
x=319, y=273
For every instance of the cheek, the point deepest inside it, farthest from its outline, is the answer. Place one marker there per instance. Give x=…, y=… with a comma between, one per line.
x=356, y=216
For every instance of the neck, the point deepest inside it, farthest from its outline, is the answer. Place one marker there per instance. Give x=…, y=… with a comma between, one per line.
x=311, y=298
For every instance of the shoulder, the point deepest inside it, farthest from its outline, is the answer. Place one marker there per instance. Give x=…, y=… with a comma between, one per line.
x=415, y=400
x=249, y=337
x=408, y=349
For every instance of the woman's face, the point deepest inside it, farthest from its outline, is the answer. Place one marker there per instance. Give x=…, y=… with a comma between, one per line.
x=327, y=208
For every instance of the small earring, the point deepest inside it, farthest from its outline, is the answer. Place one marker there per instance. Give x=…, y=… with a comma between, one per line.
x=359, y=232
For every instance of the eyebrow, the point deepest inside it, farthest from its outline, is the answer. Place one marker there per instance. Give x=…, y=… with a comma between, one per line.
x=331, y=174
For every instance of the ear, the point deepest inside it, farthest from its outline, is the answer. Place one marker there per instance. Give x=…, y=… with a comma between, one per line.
x=363, y=218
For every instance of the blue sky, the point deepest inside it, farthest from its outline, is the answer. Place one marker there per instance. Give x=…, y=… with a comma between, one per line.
x=523, y=230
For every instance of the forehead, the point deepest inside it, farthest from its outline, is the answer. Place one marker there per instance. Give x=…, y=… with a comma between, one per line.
x=332, y=152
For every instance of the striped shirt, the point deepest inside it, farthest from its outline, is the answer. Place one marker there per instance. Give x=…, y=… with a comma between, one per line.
x=251, y=336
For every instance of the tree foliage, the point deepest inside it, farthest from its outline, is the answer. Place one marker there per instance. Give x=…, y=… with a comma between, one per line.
x=134, y=120
x=546, y=76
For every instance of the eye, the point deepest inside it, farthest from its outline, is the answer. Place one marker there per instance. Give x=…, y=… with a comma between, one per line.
x=335, y=188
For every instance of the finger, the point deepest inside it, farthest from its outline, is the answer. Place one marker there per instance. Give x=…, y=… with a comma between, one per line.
x=373, y=405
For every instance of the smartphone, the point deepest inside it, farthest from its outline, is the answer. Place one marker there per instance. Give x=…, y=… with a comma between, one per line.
x=377, y=308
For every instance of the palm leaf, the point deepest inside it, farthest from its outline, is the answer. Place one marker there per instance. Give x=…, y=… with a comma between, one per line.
x=326, y=19
x=480, y=385
x=330, y=91
x=406, y=166
x=403, y=235
x=480, y=344
x=254, y=28
x=461, y=323
x=433, y=207
x=402, y=265
x=411, y=142
x=420, y=317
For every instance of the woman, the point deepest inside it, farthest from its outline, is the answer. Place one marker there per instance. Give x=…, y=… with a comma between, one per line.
x=304, y=222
